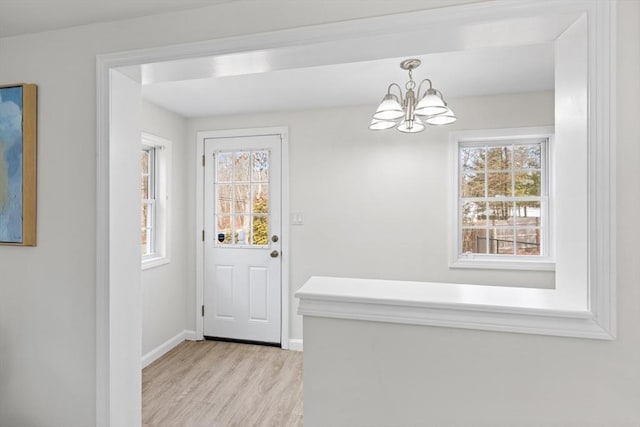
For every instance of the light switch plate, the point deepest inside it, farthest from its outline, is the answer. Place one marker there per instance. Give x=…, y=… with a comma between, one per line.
x=297, y=218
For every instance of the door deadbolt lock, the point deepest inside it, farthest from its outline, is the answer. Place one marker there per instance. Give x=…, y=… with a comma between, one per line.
x=274, y=238
x=274, y=254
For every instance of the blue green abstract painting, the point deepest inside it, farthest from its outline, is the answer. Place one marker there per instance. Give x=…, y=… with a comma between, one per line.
x=11, y=142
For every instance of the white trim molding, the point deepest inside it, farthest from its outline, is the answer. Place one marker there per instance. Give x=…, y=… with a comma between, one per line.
x=295, y=344
x=439, y=30
x=489, y=308
x=166, y=347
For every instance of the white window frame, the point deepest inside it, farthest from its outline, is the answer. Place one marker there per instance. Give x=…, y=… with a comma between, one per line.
x=161, y=170
x=457, y=259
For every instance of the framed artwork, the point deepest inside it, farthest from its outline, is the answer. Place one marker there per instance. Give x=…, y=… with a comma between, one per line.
x=18, y=164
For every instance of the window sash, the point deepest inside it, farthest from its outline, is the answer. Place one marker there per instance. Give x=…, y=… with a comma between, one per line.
x=150, y=178
x=542, y=198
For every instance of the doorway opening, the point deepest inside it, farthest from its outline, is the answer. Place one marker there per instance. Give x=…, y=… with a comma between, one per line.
x=429, y=32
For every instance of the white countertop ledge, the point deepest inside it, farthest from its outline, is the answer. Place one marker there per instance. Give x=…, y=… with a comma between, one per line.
x=494, y=308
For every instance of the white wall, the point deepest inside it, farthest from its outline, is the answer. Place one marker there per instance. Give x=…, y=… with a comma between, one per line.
x=398, y=375
x=47, y=293
x=375, y=204
x=164, y=288
x=124, y=213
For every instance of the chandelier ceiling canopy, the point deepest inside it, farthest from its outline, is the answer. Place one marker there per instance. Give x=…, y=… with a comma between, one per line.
x=410, y=111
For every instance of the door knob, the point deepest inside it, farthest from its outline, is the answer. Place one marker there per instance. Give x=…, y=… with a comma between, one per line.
x=274, y=238
x=274, y=254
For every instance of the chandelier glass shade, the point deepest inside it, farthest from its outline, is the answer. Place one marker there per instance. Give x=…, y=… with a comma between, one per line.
x=410, y=111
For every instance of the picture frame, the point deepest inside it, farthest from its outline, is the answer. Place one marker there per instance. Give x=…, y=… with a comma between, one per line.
x=18, y=164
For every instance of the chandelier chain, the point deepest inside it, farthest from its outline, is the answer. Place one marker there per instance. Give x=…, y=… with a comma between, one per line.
x=410, y=84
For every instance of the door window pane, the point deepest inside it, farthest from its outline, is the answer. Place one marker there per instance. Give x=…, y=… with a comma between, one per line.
x=260, y=230
x=260, y=169
x=224, y=198
x=242, y=197
x=260, y=198
x=242, y=229
x=224, y=167
x=224, y=231
x=241, y=167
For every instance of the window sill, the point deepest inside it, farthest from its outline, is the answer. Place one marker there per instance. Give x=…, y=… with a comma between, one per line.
x=492, y=263
x=154, y=262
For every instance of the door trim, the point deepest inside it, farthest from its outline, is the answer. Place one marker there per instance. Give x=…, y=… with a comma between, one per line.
x=283, y=131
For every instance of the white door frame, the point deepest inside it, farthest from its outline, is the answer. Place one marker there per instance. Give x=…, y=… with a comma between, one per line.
x=283, y=131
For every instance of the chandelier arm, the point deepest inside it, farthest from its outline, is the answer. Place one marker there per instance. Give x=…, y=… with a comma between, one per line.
x=420, y=86
x=399, y=90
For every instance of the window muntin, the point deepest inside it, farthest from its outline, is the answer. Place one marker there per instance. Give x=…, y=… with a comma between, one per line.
x=242, y=198
x=503, y=198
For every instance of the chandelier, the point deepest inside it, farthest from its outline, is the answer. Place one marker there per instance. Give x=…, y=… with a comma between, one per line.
x=410, y=112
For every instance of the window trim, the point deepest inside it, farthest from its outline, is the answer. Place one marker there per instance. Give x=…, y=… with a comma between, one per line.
x=162, y=179
x=503, y=262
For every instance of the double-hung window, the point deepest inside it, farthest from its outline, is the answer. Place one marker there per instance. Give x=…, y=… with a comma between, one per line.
x=154, y=166
x=503, y=204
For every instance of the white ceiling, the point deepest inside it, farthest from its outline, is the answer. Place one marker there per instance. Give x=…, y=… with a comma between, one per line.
x=261, y=81
x=33, y=16
x=457, y=74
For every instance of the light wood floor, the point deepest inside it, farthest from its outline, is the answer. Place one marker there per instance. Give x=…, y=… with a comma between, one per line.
x=222, y=384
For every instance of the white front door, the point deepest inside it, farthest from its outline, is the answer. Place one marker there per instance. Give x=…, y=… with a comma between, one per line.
x=242, y=219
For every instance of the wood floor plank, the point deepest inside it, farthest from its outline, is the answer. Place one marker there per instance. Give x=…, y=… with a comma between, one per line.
x=221, y=384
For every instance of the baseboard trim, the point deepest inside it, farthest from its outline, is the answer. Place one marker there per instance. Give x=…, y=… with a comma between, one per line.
x=190, y=335
x=295, y=344
x=166, y=346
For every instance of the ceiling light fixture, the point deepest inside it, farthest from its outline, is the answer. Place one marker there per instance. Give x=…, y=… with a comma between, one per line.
x=410, y=112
